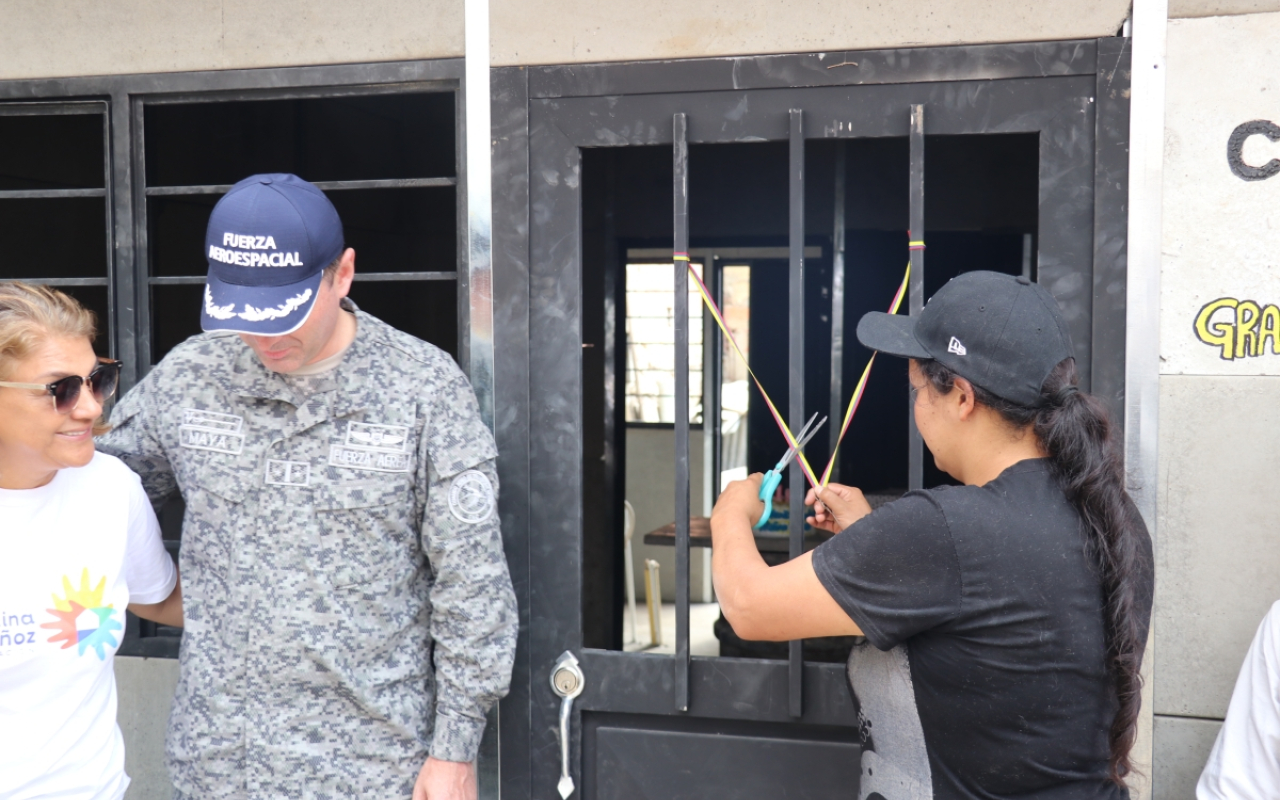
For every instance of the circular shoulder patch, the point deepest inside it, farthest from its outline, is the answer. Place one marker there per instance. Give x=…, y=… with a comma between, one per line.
x=471, y=496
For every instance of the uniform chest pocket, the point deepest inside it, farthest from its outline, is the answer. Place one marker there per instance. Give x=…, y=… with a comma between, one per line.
x=364, y=532
x=210, y=474
x=216, y=517
x=215, y=494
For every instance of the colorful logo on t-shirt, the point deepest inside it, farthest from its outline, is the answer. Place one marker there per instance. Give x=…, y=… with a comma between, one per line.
x=82, y=618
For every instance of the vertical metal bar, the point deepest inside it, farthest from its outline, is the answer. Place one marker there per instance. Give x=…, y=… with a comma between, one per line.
x=1142, y=309
x=795, y=360
x=132, y=295
x=710, y=391
x=475, y=179
x=716, y=353
x=836, y=415
x=680, y=173
x=112, y=330
x=613, y=457
x=462, y=232
x=1026, y=256
x=915, y=452
x=478, y=180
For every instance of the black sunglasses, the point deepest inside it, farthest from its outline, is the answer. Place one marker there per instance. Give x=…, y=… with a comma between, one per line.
x=103, y=382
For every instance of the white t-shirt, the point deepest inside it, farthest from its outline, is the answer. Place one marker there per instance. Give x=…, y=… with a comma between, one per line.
x=73, y=554
x=1245, y=762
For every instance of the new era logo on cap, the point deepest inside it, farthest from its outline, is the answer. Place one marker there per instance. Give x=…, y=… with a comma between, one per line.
x=269, y=239
x=954, y=346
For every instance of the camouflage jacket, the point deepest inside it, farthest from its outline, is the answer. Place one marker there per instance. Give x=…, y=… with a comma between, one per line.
x=348, y=605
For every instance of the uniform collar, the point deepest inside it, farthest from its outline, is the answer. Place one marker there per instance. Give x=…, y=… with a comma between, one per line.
x=346, y=384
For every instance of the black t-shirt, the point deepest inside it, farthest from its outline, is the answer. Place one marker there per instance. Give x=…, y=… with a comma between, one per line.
x=1000, y=611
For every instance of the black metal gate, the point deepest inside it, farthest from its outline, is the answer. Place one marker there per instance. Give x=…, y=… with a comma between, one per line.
x=665, y=726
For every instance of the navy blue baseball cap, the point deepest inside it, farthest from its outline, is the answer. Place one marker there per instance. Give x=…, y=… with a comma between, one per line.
x=269, y=239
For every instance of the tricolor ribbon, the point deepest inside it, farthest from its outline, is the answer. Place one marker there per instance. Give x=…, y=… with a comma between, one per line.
x=724, y=328
x=773, y=409
x=862, y=382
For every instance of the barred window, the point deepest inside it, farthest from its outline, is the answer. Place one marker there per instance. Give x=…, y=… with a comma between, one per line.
x=108, y=200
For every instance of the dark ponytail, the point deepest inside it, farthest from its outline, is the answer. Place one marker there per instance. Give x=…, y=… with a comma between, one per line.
x=1084, y=453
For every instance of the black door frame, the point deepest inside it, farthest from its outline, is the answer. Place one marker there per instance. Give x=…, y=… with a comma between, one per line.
x=541, y=115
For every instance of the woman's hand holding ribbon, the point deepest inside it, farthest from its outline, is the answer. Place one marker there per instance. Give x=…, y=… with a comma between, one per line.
x=837, y=507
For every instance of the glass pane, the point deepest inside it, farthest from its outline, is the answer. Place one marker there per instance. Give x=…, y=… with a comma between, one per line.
x=651, y=336
x=175, y=234
x=175, y=315
x=63, y=151
x=64, y=237
x=735, y=383
x=400, y=230
x=94, y=298
x=321, y=139
x=426, y=309
x=392, y=230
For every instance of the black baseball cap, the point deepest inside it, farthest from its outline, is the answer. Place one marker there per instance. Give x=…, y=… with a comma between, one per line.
x=268, y=241
x=1003, y=333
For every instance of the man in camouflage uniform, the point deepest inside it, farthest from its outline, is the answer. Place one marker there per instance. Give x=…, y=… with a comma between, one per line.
x=349, y=614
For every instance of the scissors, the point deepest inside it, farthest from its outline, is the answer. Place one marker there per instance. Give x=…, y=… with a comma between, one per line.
x=774, y=476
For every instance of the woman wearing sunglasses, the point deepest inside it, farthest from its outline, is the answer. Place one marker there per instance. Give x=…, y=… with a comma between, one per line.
x=79, y=543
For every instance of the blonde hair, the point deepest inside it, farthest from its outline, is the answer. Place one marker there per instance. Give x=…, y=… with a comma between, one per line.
x=30, y=315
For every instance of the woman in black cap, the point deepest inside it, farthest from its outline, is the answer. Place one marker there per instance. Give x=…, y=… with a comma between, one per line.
x=1012, y=611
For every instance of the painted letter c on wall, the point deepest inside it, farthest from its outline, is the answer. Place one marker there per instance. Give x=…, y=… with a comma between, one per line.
x=1235, y=150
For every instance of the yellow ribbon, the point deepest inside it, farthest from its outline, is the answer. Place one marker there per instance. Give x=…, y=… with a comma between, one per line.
x=862, y=382
x=777, y=417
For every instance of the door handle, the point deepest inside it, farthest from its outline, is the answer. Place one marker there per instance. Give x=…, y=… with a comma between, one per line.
x=567, y=681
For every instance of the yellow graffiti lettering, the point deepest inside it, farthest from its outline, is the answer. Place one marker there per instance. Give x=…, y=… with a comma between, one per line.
x=1242, y=331
x=1247, y=317
x=1220, y=333
x=1269, y=329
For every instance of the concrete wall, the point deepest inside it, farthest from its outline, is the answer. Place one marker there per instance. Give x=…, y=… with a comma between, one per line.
x=572, y=31
x=1218, y=555
x=145, y=687
x=1181, y=749
x=1217, y=8
x=57, y=38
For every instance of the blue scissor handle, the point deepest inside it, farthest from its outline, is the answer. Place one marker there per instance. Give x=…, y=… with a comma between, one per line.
x=768, y=486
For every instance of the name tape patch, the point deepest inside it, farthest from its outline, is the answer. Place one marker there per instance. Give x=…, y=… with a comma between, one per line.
x=471, y=497
x=197, y=437
x=212, y=419
x=368, y=459
x=288, y=473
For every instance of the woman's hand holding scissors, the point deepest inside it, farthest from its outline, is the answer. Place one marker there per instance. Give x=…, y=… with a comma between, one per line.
x=741, y=498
